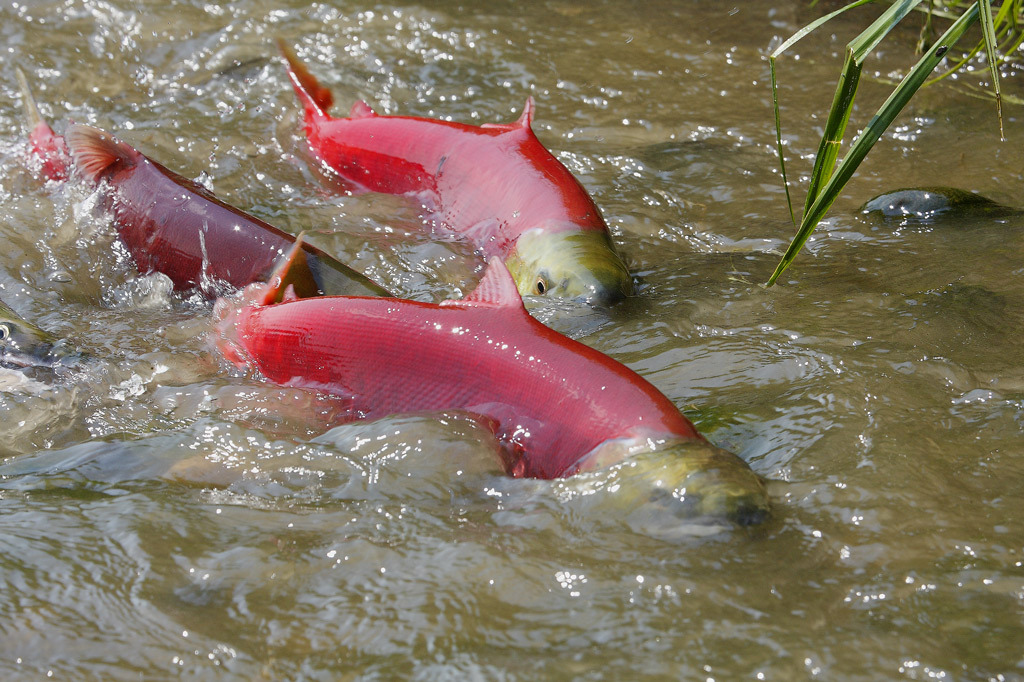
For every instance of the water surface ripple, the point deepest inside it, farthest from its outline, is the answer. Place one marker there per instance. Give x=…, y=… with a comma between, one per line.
x=162, y=516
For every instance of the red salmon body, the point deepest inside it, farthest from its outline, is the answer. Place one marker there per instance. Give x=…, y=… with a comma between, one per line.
x=175, y=226
x=549, y=399
x=490, y=184
x=495, y=185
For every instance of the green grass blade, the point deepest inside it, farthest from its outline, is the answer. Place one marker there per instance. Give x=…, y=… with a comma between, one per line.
x=988, y=30
x=778, y=140
x=879, y=123
x=835, y=128
x=846, y=90
x=868, y=40
x=795, y=38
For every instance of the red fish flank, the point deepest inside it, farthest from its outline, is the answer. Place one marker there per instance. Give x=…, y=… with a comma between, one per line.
x=549, y=399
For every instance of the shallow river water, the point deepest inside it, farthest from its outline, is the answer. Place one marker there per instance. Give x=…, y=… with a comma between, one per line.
x=163, y=515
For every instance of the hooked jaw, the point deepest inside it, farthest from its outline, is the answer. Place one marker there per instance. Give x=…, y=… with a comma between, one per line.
x=571, y=263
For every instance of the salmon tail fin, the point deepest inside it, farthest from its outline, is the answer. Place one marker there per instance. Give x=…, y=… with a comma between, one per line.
x=32, y=114
x=292, y=277
x=47, y=146
x=524, y=122
x=98, y=154
x=496, y=289
x=315, y=98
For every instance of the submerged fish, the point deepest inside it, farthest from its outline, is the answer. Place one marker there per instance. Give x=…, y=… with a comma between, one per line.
x=557, y=406
x=495, y=185
x=23, y=344
x=176, y=226
x=925, y=203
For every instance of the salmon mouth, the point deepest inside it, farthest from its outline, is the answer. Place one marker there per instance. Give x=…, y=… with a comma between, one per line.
x=12, y=359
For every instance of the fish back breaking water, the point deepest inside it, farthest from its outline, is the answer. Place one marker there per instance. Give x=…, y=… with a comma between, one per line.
x=161, y=516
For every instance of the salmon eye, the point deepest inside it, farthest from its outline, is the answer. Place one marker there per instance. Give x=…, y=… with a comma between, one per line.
x=5, y=332
x=541, y=286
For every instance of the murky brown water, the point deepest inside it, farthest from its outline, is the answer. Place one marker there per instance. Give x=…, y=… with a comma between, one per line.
x=161, y=516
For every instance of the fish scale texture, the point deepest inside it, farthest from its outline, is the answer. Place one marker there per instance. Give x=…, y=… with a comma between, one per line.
x=172, y=226
x=475, y=176
x=175, y=226
x=549, y=399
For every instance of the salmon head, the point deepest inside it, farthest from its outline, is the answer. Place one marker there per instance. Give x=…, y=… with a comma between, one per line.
x=679, y=481
x=569, y=263
x=22, y=344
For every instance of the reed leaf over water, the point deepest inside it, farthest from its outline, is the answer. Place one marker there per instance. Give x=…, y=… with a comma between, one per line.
x=827, y=178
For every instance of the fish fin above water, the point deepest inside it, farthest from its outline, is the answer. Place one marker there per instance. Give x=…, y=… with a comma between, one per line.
x=361, y=110
x=316, y=99
x=47, y=146
x=289, y=294
x=32, y=114
x=292, y=278
x=525, y=120
x=97, y=153
x=496, y=289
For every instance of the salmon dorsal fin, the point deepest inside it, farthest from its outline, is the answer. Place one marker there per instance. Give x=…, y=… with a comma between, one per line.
x=496, y=289
x=526, y=118
x=524, y=122
x=291, y=278
x=96, y=153
x=361, y=110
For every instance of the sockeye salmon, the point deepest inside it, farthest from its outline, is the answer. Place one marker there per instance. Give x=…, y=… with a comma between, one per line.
x=176, y=226
x=558, y=407
x=495, y=185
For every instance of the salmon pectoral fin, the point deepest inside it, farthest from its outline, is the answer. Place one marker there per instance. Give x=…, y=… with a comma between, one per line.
x=96, y=153
x=47, y=146
x=32, y=114
x=509, y=454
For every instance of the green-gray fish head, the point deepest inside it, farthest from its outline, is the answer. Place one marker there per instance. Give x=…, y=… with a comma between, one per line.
x=570, y=263
x=22, y=344
x=685, y=481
